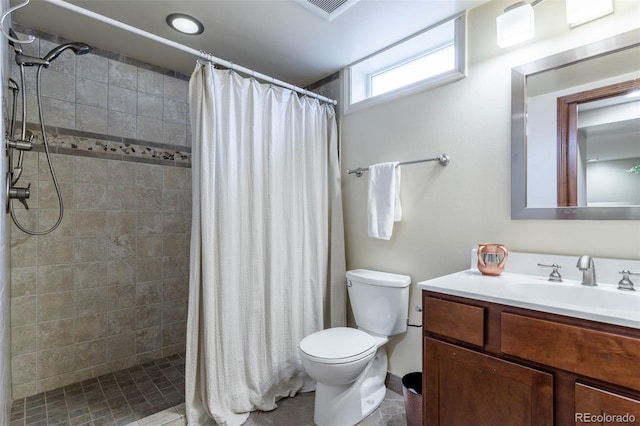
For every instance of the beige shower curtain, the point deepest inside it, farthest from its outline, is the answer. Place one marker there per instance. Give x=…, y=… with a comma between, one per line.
x=267, y=245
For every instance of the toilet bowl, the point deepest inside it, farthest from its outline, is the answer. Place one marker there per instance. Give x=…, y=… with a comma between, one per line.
x=337, y=356
x=349, y=365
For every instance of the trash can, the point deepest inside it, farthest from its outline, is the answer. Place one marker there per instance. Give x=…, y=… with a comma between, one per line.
x=412, y=392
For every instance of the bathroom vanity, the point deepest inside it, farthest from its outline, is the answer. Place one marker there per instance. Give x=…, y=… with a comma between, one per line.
x=494, y=354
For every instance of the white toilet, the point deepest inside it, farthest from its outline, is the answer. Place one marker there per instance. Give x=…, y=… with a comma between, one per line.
x=348, y=364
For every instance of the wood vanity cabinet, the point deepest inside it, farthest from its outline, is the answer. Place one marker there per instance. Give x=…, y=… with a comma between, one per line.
x=491, y=364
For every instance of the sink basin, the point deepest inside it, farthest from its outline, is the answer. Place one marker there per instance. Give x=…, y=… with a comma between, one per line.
x=602, y=299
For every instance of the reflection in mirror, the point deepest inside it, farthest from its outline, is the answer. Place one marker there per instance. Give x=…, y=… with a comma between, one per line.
x=567, y=110
x=598, y=135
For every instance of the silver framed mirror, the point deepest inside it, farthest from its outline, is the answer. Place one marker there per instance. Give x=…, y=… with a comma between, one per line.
x=541, y=79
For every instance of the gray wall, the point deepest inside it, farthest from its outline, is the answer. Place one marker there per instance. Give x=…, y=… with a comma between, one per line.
x=107, y=289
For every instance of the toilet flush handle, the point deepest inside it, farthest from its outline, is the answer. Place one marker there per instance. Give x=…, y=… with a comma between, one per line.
x=349, y=283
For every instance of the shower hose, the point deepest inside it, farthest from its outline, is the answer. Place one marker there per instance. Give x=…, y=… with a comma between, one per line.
x=46, y=149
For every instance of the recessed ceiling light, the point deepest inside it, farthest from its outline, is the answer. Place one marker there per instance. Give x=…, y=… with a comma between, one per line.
x=185, y=24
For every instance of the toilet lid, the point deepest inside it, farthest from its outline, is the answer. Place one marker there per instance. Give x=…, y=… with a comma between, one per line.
x=337, y=343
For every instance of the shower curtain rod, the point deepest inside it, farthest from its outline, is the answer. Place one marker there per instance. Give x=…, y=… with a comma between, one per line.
x=187, y=49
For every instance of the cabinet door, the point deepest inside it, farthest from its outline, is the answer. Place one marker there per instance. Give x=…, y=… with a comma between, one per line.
x=599, y=407
x=463, y=387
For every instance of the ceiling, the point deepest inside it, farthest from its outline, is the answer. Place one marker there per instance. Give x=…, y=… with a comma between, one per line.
x=279, y=38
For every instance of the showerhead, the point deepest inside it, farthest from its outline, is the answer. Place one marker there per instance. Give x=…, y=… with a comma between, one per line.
x=29, y=61
x=77, y=48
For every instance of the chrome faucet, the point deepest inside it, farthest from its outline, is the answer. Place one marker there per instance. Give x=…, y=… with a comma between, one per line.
x=588, y=268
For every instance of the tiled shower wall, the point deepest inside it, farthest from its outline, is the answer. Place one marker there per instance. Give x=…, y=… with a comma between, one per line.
x=108, y=288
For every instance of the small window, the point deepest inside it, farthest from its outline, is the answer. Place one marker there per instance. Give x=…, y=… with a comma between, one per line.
x=428, y=59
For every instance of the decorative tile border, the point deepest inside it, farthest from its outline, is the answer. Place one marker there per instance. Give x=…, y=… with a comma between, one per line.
x=86, y=144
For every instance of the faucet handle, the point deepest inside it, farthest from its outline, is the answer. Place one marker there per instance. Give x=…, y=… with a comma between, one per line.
x=21, y=194
x=554, y=275
x=625, y=283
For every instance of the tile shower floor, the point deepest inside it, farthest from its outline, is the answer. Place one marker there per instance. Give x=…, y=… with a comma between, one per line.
x=113, y=399
x=152, y=394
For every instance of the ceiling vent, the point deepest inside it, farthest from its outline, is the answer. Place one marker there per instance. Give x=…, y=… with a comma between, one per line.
x=328, y=9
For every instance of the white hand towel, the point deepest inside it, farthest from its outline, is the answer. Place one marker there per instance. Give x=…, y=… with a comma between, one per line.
x=383, y=204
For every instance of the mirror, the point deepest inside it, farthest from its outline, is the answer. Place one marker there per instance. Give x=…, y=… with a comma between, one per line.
x=568, y=110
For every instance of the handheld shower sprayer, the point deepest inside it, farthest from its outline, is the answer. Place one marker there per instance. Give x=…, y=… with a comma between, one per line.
x=29, y=61
x=77, y=48
x=22, y=194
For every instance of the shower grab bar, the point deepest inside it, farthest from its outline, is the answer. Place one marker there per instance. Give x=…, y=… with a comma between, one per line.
x=442, y=159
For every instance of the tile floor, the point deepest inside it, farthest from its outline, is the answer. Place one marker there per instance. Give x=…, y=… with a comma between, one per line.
x=113, y=399
x=297, y=411
x=152, y=394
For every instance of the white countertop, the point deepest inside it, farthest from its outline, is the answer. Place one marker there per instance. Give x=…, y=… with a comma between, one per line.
x=604, y=303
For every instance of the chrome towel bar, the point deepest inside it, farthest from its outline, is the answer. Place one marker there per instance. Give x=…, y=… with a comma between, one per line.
x=442, y=159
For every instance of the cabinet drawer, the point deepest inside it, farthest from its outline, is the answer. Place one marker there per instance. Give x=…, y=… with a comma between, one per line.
x=587, y=352
x=456, y=320
x=591, y=402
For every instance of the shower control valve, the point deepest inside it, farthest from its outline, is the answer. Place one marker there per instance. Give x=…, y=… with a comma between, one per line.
x=20, y=194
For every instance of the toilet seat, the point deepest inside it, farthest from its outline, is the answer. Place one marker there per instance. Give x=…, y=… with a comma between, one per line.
x=338, y=345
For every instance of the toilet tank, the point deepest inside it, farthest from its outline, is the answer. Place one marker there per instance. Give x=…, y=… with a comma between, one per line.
x=379, y=300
